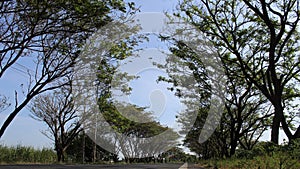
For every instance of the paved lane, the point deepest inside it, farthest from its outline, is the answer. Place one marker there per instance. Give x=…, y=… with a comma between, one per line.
x=125, y=166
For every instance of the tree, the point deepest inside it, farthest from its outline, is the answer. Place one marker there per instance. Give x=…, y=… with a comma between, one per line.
x=247, y=110
x=118, y=127
x=261, y=38
x=58, y=111
x=125, y=134
x=177, y=154
x=245, y=116
x=49, y=34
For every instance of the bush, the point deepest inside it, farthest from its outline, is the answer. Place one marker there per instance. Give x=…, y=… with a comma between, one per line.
x=265, y=155
x=22, y=154
x=244, y=154
x=294, y=149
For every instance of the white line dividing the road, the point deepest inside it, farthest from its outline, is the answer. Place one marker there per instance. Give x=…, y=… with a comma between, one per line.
x=184, y=166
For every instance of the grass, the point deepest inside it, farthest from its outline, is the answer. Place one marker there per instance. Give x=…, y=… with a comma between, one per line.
x=264, y=155
x=26, y=155
x=276, y=161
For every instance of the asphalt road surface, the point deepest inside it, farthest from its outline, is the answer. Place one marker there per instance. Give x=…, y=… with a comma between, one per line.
x=116, y=166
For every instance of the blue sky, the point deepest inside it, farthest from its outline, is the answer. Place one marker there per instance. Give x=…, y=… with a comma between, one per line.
x=156, y=5
x=27, y=131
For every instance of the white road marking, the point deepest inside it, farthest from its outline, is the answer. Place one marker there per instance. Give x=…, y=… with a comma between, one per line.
x=184, y=166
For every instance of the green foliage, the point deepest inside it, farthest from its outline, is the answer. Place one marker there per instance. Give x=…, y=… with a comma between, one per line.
x=245, y=114
x=176, y=154
x=262, y=148
x=266, y=155
x=290, y=150
x=277, y=161
x=52, y=34
x=294, y=148
x=81, y=150
x=127, y=118
x=243, y=120
x=22, y=154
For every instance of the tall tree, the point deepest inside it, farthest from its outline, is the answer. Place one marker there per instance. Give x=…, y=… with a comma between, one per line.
x=58, y=111
x=262, y=39
x=247, y=110
x=49, y=34
x=244, y=110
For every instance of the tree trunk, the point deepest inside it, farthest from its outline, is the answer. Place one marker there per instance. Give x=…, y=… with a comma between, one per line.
x=233, y=146
x=83, y=148
x=115, y=158
x=276, y=126
x=59, y=155
x=234, y=133
x=62, y=157
x=278, y=119
x=94, y=152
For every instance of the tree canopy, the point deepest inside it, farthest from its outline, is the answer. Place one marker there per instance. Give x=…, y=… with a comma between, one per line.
x=261, y=39
x=50, y=35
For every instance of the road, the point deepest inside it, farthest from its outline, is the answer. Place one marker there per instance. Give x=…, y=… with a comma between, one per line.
x=116, y=166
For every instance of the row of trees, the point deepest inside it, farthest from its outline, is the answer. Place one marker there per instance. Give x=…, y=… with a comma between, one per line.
x=65, y=123
x=52, y=35
x=257, y=44
x=66, y=113
x=49, y=35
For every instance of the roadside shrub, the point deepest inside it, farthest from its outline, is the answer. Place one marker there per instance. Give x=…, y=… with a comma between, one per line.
x=23, y=154
x=294, y=149
x=244, y=154
x=265, y=155
x=262, y=148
